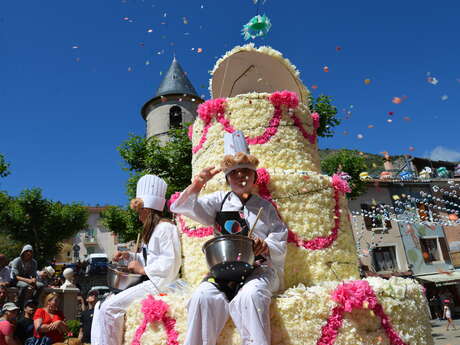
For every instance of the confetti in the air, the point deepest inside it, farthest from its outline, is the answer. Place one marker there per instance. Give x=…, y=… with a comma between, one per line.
x=432, y=80
x=444, y=98
x=149, y=30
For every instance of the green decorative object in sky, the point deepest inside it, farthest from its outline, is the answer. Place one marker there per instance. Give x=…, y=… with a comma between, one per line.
x=258, y=26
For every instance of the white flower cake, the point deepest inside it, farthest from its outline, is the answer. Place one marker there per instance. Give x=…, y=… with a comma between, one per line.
x=259, y=92
x=301, y=316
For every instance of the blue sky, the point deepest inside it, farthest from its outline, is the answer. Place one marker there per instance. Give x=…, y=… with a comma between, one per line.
x=74, y=75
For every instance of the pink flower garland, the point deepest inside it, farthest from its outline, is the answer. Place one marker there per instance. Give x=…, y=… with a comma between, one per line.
x=320, y=242
x=216, y=108
x=156, y=310
x=199, y=232
x=206, y=111
x=357, y=294
x=340, y=184
x=190, y=132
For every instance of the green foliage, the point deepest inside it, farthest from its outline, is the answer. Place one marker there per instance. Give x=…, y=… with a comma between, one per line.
x=74, y=327
x=327, y=115
x=10, y=247
x=4, y=166
x=351, y=162
x=170, y=159
x=30, y=218
x=124, y=222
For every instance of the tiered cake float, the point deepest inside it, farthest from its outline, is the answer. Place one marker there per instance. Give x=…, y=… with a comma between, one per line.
x=324, y=302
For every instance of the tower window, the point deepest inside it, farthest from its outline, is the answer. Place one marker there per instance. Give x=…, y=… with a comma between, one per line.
x=175, y=117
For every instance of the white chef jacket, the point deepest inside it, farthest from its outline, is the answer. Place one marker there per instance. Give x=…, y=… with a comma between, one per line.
x=269, y=227
x=163, y=255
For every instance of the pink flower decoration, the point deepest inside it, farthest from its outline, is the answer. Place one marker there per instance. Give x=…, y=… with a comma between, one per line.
x=190, y=132
x=173, y=198
x=209, y=109
x=287, y=98
x=317, y=243
x=340, y=184
x=156, y=311
x=198, y=232
x=353, y=295
x=356, y=294
x=315, y=117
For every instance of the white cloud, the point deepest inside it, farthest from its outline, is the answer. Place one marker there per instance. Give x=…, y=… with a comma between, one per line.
x=441, y=153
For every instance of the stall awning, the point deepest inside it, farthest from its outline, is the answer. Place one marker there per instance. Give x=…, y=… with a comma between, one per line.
x=441, y=279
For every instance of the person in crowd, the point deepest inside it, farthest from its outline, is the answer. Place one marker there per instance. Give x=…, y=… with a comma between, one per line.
x=49, y=321
x=247, y=300
x=25, y=323
x=7, y=324
x=46, y=276
x=5, y=272
x=435, y=307
x=448, y=315
x=158, y=262
x=86, y=317
x=3, y=296
x=24, y=271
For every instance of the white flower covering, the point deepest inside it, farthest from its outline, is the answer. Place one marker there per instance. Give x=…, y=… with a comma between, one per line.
x=298, y=315
x=306, y=203
x=287, y=149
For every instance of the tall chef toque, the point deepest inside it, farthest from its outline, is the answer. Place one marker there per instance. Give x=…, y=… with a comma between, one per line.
x=236, y=153
x=150, y=193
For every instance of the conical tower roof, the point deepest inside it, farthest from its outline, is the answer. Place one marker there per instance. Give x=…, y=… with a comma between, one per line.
x=175, y=82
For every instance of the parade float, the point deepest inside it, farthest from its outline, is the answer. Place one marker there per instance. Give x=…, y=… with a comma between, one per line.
x=323, y=302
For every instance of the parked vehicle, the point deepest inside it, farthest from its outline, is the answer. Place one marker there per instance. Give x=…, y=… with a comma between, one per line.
x=97, y=263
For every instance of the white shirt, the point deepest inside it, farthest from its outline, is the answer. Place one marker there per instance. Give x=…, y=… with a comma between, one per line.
x=269, y=227
x=163, y=255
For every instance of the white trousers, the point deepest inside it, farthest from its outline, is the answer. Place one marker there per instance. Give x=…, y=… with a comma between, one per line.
x=209, y=309
x=108, y=320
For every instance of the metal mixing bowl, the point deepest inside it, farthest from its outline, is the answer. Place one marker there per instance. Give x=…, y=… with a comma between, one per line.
x=230, y=257
x=119, y=278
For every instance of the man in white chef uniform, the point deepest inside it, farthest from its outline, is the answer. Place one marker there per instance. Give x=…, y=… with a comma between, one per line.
x=209, y=306
x=159, y=261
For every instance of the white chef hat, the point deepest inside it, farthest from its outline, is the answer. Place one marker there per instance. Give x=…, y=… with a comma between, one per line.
x=236, y=153
x=152, y=190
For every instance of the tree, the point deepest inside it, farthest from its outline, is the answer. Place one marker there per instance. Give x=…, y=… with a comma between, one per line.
x=30, y=218
x=4, y=166
x=327, y=115
x=351, y=162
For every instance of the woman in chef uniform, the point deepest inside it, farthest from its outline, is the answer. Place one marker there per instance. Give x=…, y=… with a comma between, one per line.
x=210, y=305
x=159, y=261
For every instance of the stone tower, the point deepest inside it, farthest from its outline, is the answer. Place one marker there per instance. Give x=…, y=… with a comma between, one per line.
x=174, y=103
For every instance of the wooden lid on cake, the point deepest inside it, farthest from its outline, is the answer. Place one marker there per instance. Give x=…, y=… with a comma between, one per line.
x=248, y=69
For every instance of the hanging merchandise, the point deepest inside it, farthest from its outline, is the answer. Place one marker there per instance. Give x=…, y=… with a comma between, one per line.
x=258, y=26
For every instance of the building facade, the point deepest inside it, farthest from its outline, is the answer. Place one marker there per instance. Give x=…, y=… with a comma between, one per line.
x=406, y=224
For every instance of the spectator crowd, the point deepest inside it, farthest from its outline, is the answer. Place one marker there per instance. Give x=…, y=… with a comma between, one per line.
x=26, y=321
